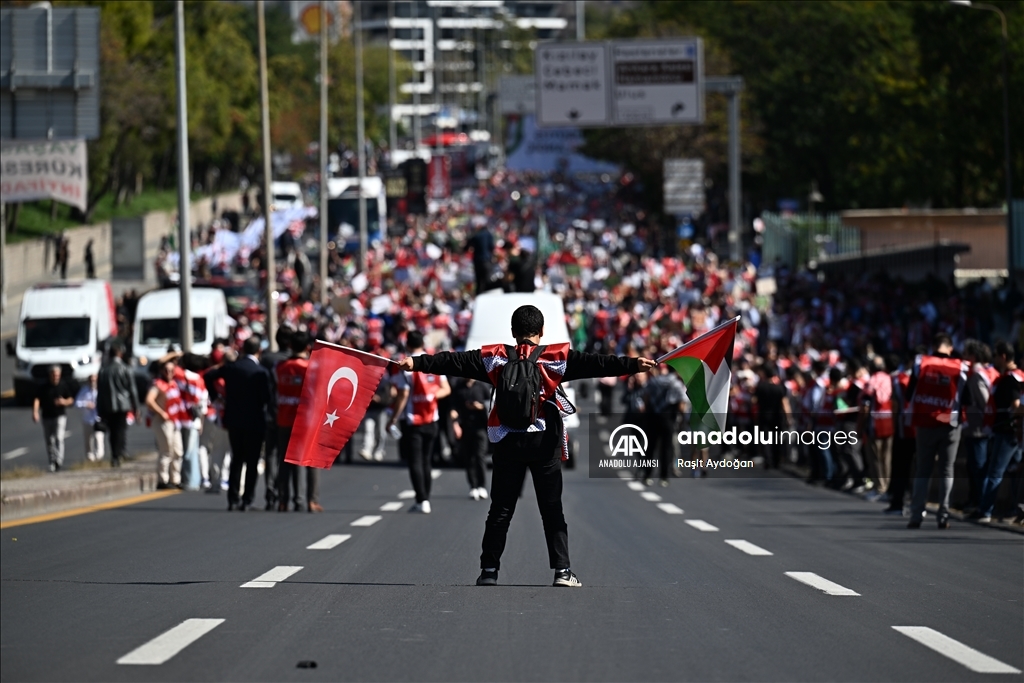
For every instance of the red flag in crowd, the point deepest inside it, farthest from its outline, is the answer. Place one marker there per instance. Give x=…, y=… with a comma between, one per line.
x=339, y=384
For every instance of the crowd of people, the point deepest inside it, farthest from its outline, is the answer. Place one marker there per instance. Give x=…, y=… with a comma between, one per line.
x=835, y=354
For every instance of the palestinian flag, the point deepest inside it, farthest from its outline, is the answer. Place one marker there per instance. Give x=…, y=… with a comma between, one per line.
x=703, y=365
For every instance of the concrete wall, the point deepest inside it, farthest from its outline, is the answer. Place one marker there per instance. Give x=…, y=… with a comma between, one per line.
x=26, y=262
x=983, y=230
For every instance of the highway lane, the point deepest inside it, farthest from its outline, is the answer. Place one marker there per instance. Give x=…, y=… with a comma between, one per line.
x=661, y=600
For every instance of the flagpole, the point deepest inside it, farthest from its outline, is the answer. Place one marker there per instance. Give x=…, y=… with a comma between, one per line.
x=694, y=341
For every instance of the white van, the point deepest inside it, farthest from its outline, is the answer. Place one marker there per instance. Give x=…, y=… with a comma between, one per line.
x=65, y=324
x=492, y=324
x=287, y=195
x=157, y=320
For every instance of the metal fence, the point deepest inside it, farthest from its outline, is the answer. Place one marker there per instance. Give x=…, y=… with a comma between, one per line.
x=798, y=239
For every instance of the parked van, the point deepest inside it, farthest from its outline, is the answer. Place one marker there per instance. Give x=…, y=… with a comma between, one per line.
x=65, y=324
x=287, y=195
x=343, y=210
x=157, y=322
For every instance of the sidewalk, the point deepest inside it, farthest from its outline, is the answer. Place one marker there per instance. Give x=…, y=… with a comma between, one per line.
x=75, y=488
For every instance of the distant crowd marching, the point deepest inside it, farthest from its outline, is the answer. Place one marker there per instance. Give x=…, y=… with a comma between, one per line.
x=897, y=362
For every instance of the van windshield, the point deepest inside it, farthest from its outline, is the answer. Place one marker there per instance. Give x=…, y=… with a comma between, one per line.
x=42, y=333
x=163, y=331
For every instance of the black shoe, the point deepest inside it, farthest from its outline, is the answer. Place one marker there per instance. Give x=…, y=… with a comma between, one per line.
x=565, y=577
x=162, y=486
x=270, y=506
x=943, y=522
x=914, y=524
x=232, y=507
x=487, y=578
x=242, y=507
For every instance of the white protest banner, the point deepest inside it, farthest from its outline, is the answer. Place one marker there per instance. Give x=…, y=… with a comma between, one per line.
x=44, y=169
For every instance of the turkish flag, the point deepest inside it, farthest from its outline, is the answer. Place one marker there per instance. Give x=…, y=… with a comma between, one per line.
x=339, y=385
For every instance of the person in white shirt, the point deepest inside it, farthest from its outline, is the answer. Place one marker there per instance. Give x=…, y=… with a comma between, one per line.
x=85, y=401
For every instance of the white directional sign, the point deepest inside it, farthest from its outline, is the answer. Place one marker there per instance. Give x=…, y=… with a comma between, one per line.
x=657, y=82
x=684, y=186
x=572, y=84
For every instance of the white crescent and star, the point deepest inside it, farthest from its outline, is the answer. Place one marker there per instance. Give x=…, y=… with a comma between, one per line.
x=341, y=373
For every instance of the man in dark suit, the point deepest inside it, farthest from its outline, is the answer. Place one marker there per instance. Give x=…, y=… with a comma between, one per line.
x=272, y=457
x=246, y=396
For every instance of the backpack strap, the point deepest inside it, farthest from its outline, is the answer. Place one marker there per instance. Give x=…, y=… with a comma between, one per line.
x=537, y=350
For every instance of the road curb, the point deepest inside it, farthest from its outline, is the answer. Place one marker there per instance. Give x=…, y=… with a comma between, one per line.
x=30, y=503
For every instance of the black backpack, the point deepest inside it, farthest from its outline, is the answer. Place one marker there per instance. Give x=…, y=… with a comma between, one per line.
x=517, y=396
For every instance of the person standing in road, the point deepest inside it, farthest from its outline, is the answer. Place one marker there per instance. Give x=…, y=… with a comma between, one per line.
x=271, y=455
x=470, y=409
x=246, y=395
x=535, y=447
x=1005, y=445
x=290, y=375
x=165, y=402
x=417, y=408
x=51, y=405
x=85, y=401
x=664, y=400
x=482, y=244
x=116, y=398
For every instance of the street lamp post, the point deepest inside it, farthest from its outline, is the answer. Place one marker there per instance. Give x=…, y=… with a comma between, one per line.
x=1006, y=124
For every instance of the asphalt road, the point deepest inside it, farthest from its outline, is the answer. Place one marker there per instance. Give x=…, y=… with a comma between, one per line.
x=664, y=597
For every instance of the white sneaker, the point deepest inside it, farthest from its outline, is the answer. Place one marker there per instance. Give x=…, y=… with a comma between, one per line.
x=483, y=493
x=474, y=494
x=425, y=507
x=379, y=456
x=365, y=455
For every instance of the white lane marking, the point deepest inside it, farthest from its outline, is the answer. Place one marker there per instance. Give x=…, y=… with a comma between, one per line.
x=405, y=495
x=624, y=474
x=170, y=643
x=822, y=584
x=701, y=525
x=651, y=496
x=367, y=520
x=271, y=578
x=434, y=474
x=635, y=486
x=392, y=506
x=979, y=662
x=747, y=547
x=330, y=541
x=671, y=508
x=16, y=453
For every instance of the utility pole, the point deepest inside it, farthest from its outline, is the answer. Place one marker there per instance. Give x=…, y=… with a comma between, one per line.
x=268, y=196
x=392, y=97
x=581, y=26
x=184, y=233
x=417, y=131
x=324, y=171
x=360, y=134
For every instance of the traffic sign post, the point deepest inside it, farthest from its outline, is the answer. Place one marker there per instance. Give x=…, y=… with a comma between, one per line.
x=657, y=82
x=684, y=186
x=572, y=84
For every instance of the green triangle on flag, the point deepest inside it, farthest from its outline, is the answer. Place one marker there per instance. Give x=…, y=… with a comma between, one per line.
x=704, y=366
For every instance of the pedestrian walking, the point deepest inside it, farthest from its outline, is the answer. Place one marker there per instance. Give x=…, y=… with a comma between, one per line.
x=117, y=398
x=90, y=261
x=526, y=427
x=168, y=415
x=50, y=406
x=246, y=396
x=290, y=375
x=92, y=427
x=416, y=407
x=472, y=401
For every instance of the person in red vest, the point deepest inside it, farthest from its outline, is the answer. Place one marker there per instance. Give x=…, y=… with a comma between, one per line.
x=290, y=375
x=876, y=403
x=977, y=415
x=416, y=406
x=1005, y=445
x=934, y=409
x=537, y=445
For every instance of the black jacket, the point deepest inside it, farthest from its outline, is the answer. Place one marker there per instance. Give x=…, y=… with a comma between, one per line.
x=246, y=393
x=116, y=391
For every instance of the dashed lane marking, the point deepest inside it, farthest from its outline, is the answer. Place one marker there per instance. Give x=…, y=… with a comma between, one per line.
x=367, y=520
x=701, y=525
x=670, y=508
x=822, y=584
x=747, y=547
x=271, y=578
x=406, y=495
x=16, y=453
x=635, y=486
x=651, y=496
x=170, y=643
x=965, y=655
x=392, y=506
x=330, y=541
x=434, y=474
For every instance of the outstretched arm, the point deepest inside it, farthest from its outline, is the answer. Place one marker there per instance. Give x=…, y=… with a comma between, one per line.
x=582, y=365
x=468, y=364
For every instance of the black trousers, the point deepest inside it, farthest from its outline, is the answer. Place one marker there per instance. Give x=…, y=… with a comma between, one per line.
x=662, y=434
x=246, y=444
x=902, y=459
x=513, y=455
x=415, y=445
x=472, y=449
x=289, y=475
x=117, y=427
x=271, y=458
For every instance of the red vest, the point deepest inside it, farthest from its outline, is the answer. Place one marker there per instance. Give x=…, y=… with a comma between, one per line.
x=290, y=374
x=880, y=388
x=936, y=399
x=989, y=375
x=422, y=398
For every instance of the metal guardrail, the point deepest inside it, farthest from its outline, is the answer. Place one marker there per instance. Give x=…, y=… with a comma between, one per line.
x=798, y=239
